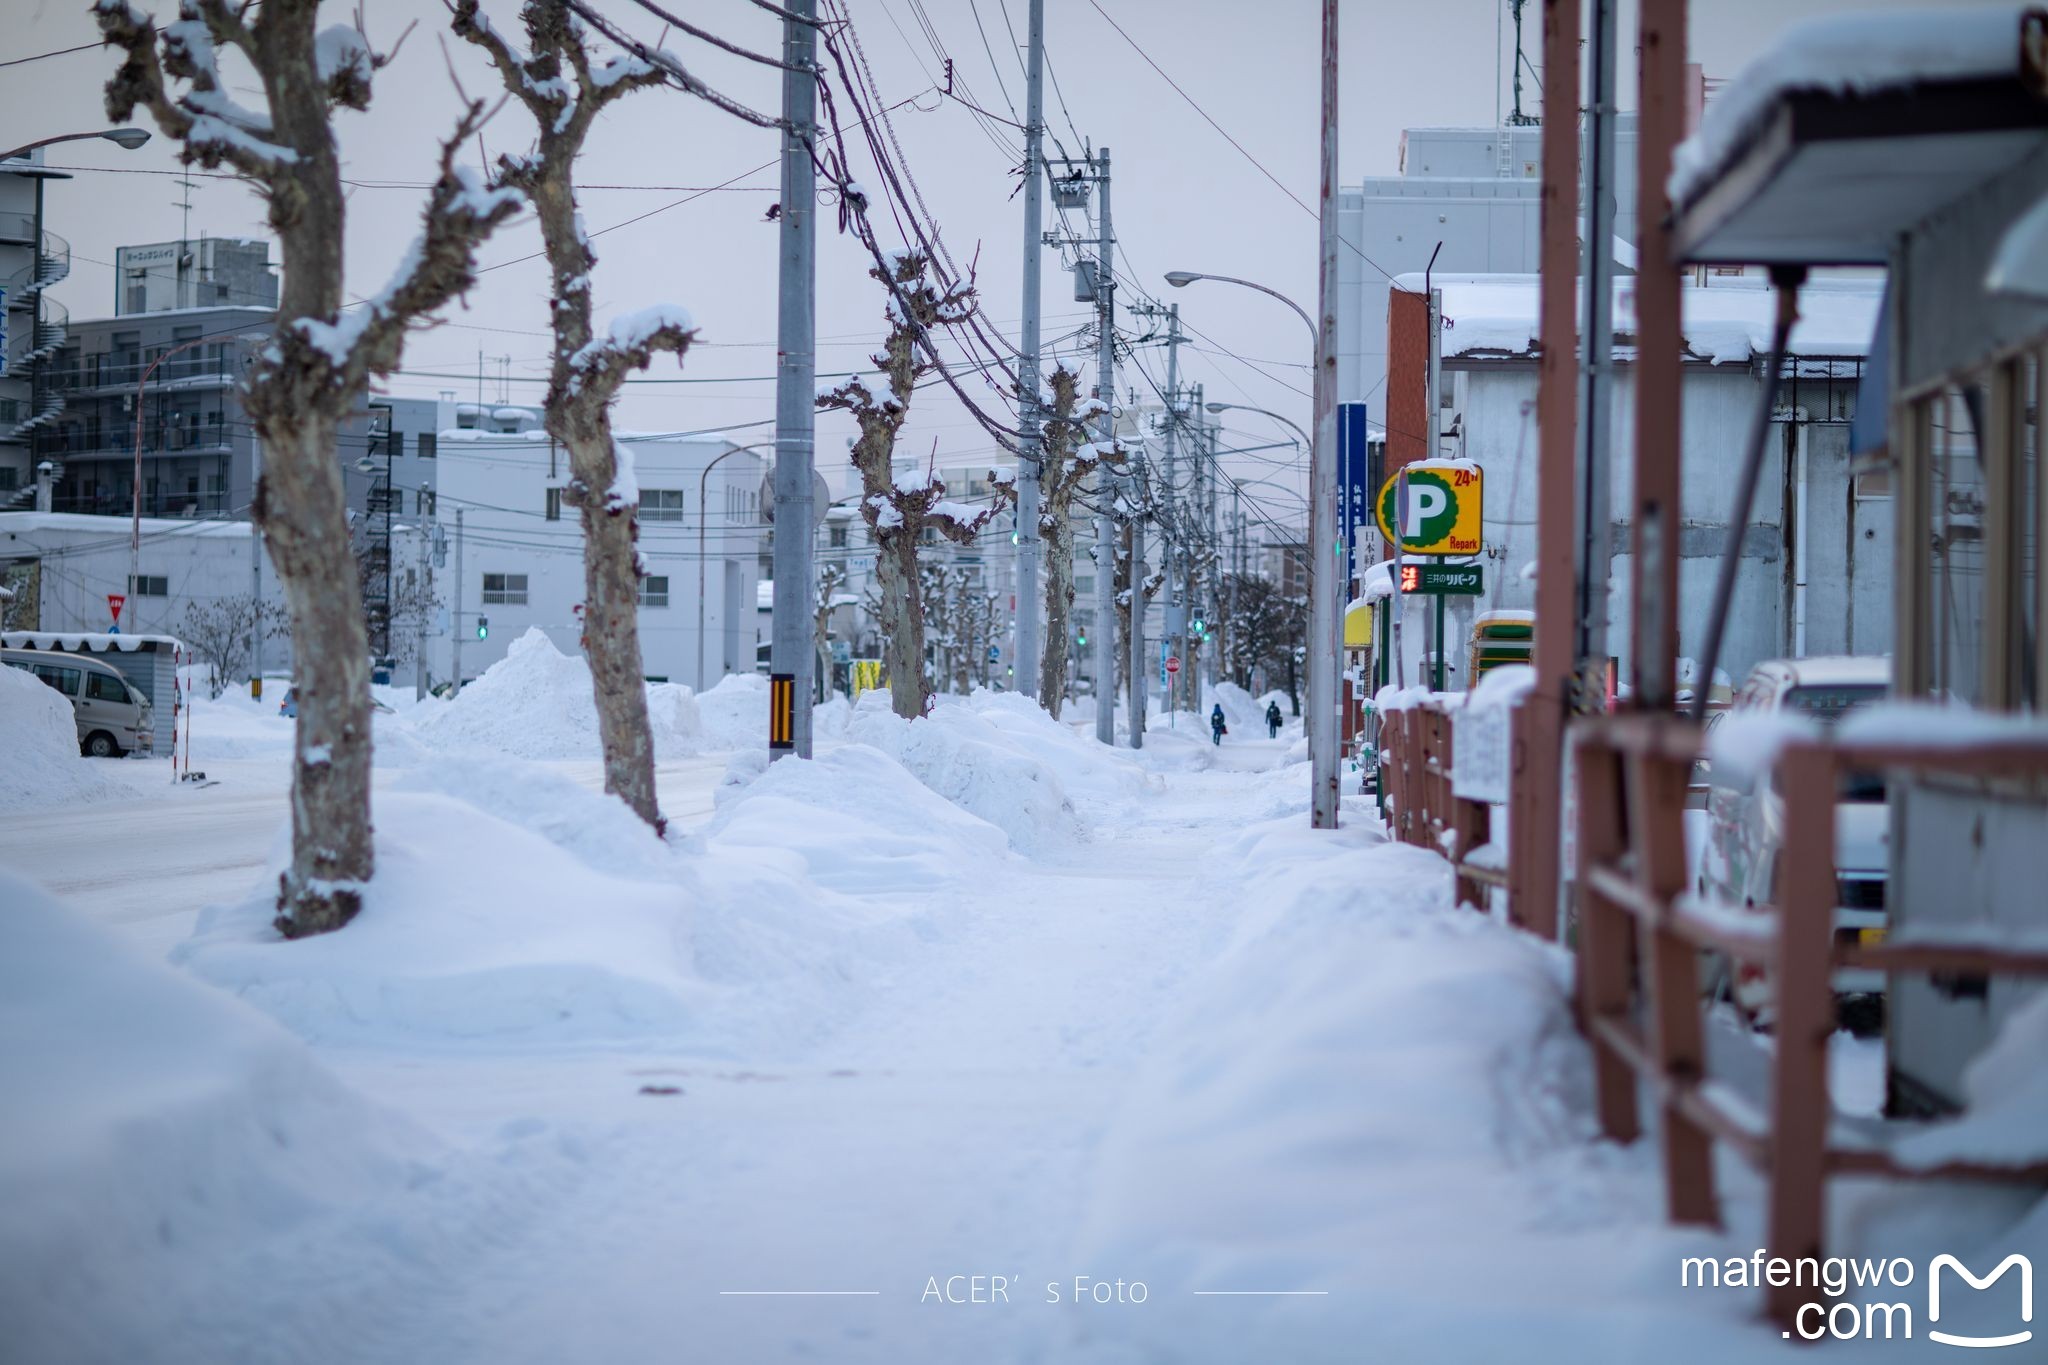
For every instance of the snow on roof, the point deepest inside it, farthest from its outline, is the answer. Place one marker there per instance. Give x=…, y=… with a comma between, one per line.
x=1857, y=54
x=1726, y=322
x=83, y=642
x=18, y=522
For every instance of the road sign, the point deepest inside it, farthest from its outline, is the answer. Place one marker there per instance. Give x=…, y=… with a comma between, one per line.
x=1354, y=480
x=1444, y=500
x=1444, y=580
x=995, y=654
x=1172, y=663
x=116, y=601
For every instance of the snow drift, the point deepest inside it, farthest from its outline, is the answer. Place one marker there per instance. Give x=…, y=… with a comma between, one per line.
x=536, y=702
x=997, y=772
x=39, y=737
x=156, y=1130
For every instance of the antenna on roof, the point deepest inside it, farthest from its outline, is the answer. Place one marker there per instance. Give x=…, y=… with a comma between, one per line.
x=1518, y=119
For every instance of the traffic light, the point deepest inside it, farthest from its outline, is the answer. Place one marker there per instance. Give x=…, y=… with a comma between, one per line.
x=1201, y=631
x=483, y=627
x=1081, y=635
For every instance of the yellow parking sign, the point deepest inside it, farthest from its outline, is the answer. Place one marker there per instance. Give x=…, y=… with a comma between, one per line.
x=1444, y=503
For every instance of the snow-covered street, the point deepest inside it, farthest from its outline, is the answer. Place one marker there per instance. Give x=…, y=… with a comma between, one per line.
x=967, y=1040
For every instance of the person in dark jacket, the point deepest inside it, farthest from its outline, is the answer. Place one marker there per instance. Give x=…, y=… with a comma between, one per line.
x=1272, y=720
x=1217, y=729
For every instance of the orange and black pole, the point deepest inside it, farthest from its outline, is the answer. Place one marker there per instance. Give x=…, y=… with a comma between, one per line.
x=781, y=712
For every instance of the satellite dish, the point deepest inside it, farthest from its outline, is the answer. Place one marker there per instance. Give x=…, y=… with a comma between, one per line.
x=821, y=498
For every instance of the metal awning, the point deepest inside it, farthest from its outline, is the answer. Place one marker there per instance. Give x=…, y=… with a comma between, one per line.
x=1835, y=179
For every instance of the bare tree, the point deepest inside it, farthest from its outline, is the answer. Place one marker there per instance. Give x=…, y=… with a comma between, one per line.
x=1068, y=461
x=222, y=629
x=831, y=578
x=1264, y=629
x=1154, y=581
x=565, y=89
x=317, y=366
x=900, y=510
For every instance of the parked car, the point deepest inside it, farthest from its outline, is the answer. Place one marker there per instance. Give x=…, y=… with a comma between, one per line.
x=113, y=718
x=1746, y=824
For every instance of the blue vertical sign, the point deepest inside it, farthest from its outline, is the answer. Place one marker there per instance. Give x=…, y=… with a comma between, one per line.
x=1354, y=483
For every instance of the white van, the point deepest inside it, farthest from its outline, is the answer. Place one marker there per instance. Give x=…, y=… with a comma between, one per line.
x=113, y=718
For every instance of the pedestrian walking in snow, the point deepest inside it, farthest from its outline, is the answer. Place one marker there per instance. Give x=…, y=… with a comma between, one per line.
x=1272, y=720
x=1217, y=729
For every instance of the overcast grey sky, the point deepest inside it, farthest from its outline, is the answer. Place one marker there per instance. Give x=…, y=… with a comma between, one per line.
x=1184, y=198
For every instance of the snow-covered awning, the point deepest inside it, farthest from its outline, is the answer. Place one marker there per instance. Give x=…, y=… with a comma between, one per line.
x=1729, y=321
x=1851, y=129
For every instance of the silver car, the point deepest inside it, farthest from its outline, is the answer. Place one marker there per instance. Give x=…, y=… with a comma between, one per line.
x=1746, y=823
x=113, y=718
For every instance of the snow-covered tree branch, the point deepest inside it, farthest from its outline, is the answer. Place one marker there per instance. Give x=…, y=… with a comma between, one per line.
x=559, y=80
x=1068, y=461
x=899, y=508
x=313, y=373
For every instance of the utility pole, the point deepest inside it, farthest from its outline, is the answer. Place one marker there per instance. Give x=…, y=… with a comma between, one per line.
x=1105, y=522
x=421, y=597
x=1026, y=649
x=792, y=652
x=455, y=617
x=1176, y=621
x=1433, y=620
x=1596, y=371
x=1326, y=558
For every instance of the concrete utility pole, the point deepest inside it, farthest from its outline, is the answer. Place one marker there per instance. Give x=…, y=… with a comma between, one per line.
x=1596, y=371
x=1105, y=523
x=1326, y=559
x=1176, y=620
x=792, y=651
x=455, y=617
x=1026, y=649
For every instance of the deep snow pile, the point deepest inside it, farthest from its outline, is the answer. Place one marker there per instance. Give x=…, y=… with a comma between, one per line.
x=156, y=1131
x=475, y=927
x=1002, y=773
x=852, y=819
x=39, y=759
x=536, y=702
x=516, y=908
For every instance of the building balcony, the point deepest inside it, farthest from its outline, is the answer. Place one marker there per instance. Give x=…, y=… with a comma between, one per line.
x=73, y=443
x=182, y=371
x=160, y=504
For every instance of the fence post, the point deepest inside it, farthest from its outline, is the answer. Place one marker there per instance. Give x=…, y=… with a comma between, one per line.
x=1606, y=932
x=1803, y=989
x=1671, y=979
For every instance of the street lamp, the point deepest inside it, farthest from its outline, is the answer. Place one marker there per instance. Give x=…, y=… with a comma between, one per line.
x=130, y=138
x=703, y=519
x=1181, y=279
x=1324, y=607
x=1263, y=412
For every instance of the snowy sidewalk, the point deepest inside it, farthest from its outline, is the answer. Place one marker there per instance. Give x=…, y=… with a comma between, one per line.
x=969, y=1007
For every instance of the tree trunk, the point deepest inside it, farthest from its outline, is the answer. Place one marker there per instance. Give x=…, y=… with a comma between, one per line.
x=1059, y=603
x=332, y=857
x=611, y=627
x=902, y=613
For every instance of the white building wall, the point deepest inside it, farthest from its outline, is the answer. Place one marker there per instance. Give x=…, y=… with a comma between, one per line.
x=500, y=484
x=1849, y=571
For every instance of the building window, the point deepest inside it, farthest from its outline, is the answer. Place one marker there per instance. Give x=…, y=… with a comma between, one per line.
x=661, y=504
x=504, y=589
x=654, y=591
x=553, y=508
x=149, y=585
x=398, y=445
x=837, y=537
x=426, y=445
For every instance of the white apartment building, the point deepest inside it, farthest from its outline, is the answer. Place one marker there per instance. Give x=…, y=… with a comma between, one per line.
x=514, y=556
